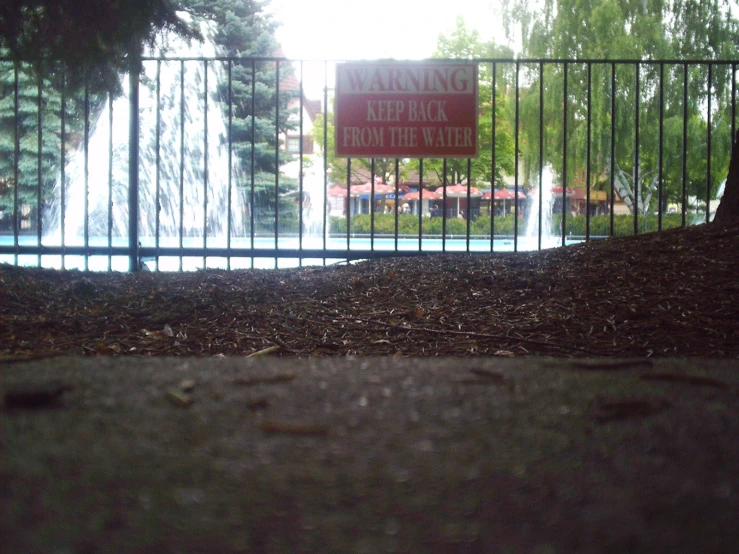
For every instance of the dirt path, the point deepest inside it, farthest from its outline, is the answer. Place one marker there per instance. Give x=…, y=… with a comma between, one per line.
x=369, y=455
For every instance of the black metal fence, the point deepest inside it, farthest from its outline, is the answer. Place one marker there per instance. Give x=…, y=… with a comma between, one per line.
x=227, y=162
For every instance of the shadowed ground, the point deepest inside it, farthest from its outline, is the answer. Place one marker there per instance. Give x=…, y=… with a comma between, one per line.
x=369, y=455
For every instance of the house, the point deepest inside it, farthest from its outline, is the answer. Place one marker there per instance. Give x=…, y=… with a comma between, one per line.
x=598, y=202
x=293, y=141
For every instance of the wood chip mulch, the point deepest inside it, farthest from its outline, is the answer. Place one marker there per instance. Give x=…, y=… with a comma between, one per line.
x=674, y=293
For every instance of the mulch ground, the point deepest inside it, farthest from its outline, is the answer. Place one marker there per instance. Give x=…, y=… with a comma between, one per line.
x=673, y=293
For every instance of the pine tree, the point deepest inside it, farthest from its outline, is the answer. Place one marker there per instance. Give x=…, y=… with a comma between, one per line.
x=259, y=114
x=31, y=138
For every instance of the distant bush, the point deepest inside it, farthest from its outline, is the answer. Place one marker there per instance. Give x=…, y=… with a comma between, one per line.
x=600, y=225
x=623, y=225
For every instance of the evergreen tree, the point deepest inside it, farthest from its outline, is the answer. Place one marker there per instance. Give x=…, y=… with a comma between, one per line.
x=258, y=98
x=31, y=132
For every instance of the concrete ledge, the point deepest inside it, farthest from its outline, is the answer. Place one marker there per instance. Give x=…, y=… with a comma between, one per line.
x=369, y=455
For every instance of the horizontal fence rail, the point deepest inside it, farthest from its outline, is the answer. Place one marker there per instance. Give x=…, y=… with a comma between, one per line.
x=205, y=161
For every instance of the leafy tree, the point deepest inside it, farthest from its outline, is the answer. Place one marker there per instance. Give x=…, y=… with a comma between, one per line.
x=359, y=167
x=466, y=43
x=87, y=37
x=641, y=172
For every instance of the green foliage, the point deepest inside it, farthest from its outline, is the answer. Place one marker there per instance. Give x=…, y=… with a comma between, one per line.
x=259, y=110
x=621, y=29
x=384, y=224
x=337, y=167
x=31, y=133
x=259, y=113
x=92, y=38
x=489, y=166
x=623, y=225
x=600, y=225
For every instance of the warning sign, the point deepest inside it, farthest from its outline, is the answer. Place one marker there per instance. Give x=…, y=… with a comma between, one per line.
x=406, y=110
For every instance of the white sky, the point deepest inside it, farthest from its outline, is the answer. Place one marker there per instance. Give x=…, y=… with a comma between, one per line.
x=351, y=30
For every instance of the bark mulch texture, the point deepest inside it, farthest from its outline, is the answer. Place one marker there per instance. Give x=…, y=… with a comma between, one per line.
x=673, y=293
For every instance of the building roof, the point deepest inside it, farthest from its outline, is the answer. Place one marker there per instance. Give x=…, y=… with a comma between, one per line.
x=595, y=195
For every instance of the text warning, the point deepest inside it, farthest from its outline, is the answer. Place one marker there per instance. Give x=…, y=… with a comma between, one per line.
x=406, y=110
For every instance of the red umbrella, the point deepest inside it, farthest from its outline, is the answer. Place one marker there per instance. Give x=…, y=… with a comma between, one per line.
x=366, y=188
x=426, y=195
x=459, y=191
x=337, y=190
x=557, y=191
x=503, y=194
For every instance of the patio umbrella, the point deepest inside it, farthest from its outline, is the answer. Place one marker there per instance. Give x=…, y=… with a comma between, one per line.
x=459, y=191
x=504, y=195
x=338, y=190
x=425, y=195
x=380, y=189
x=557, y=191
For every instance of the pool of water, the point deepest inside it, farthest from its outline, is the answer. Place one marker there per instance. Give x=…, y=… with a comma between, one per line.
x=191, y=263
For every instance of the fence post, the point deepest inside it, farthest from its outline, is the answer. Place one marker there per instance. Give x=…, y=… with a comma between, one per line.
x=133, y=158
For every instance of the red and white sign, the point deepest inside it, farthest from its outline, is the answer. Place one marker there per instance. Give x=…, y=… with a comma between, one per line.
x=406, y=109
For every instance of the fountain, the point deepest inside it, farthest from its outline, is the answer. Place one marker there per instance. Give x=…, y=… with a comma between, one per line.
x=183, y=157
x=542, y=198
x=314, y=202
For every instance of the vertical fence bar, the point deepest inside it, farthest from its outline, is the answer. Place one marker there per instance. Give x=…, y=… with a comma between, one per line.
x=397, y=200
x=733, y=104
x=733, y=100
x=110, y=181
x=39, y=160
x=420, y=199
x=348, y=204
x=708, y=143
x=469, y=202
x=660, y=191
x=229, y=99
x=86, y=141
x=564, y=152
x=325, y=222
x=277, y=157
x=182, y=160
x=301, y=198
x=205, y=161
x=637, y=105
x=133, y=161
x=492, y=160
x=252, y=156
x=158, y=156
x=684, y=156
x=62, y=158
x=515, y=158
x=371, y=204
x=444, y=184
x=16, y=159
x=613, y=148
x=587, y=152
x=540, y=208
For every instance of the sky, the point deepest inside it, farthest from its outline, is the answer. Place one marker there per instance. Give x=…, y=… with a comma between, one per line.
x=401, y=29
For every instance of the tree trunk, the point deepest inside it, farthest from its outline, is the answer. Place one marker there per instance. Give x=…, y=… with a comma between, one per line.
x=728, y=209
